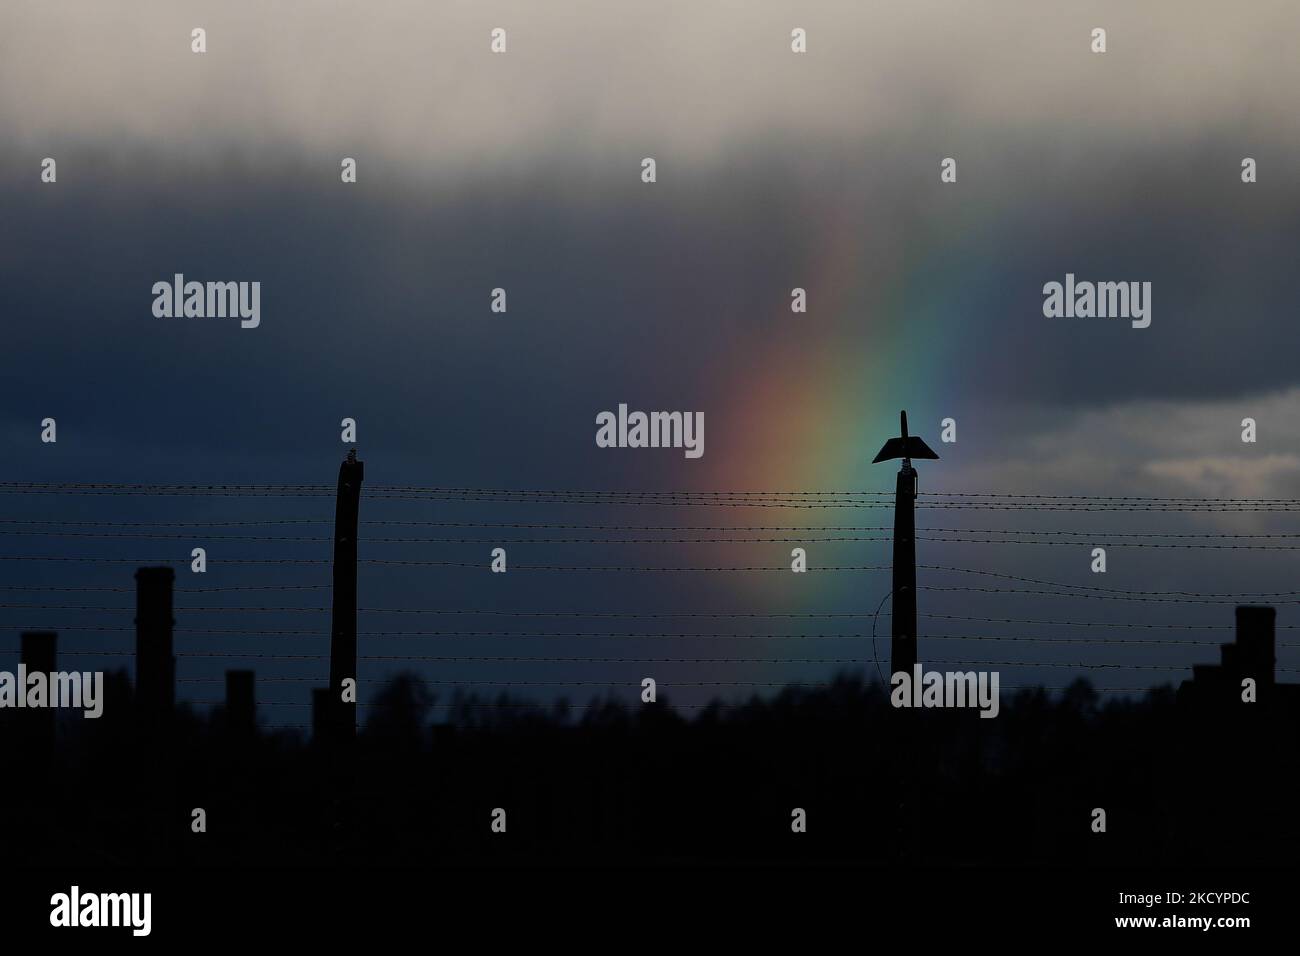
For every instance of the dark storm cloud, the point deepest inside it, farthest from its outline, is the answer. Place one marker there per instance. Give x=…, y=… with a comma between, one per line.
x=375, y=297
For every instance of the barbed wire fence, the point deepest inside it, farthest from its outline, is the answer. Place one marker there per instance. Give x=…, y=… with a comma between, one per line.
x=613, y=647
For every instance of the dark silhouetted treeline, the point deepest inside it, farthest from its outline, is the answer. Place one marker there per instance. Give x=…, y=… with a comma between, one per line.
x=1181, y=784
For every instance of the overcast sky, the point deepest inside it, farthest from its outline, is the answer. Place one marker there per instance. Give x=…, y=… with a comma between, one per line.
x=775, y=170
